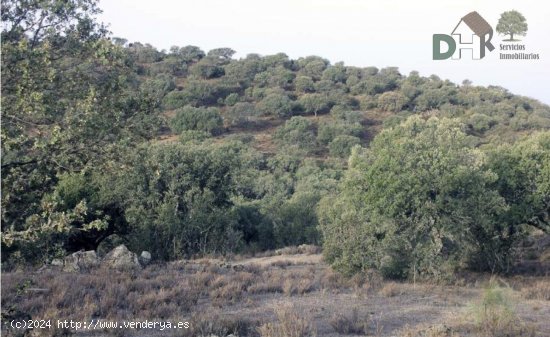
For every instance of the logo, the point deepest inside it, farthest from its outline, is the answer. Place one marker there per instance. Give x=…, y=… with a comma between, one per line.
x=472, y=32
x=512, y=23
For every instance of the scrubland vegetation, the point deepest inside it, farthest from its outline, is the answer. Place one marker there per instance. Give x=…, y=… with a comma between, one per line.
x=408, y=183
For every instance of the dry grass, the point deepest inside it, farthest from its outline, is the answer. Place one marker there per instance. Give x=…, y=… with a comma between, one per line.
x=290, y=323
x=349, y=324
x=222, y=297
x=215, y=323
x=391, y=289
x=540, y=290
x=439, y=330
x=494, y=314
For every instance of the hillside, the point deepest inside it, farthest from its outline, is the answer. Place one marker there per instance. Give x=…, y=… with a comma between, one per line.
x=266, y=196
x=276, y=134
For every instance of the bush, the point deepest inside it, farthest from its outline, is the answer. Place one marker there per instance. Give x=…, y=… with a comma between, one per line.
x=403, y=220
x=480, y=123
x=231, y=99
x=241, y=114
x=157, y=87
x=297, y=221
x=392, y=101
x=494, y=314
x=314, y=103
x=341, y=145
x=193, y=135
x=349, y=325
x=198, y=119
x=275, y=105
x=341, y=113
x=328, y=131
x=175, y=99
x=289, y=324
x=297, y=132
x=304, y=84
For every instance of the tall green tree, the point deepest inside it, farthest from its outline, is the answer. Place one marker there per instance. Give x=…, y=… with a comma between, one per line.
x=66, y=107
x=419, y=201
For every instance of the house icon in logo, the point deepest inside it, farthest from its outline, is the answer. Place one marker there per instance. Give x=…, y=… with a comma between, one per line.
x=471, y=33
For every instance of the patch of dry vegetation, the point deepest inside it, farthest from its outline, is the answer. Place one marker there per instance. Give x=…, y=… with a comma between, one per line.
x=539, y=290
x=289, y=323
x=221, y=298
x=352, y=324
x=494, y=314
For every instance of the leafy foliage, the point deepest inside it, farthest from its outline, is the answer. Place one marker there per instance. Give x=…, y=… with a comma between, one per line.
x=198, y=119
x=421, y=201
x=297, y=132
x=87, y=154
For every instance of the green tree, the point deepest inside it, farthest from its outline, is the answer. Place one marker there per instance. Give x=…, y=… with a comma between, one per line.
x=304, y=84
x=392, y=101
x=188, y=54
x=341, y=145
x=66, y=109
x=329, y=130
x=199, y=119
x=512, y=23
x=179, y=197
x=314, y=103
x=524, y=180
x=419, y=201
x=275, y=104
x=241, y=114
x=297, y=132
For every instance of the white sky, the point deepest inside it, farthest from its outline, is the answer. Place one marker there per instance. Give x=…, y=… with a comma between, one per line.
x=359, y=32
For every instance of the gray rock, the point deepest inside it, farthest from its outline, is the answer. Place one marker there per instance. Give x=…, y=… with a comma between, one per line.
x=121, y=258
x=80, y=261
x=144, y=258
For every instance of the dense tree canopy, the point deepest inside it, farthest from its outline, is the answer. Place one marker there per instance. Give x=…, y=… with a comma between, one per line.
x=424, y=200
x=187, y=152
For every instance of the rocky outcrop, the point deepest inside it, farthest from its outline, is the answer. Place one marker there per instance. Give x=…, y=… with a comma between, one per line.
x=79, y=261
x=121, y=258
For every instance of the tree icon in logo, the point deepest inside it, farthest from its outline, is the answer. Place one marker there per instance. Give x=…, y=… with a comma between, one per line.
x=512, y=23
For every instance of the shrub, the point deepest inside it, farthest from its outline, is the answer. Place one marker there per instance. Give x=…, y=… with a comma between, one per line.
x=297, y=132
x=314, y=103
x=349, y=325
x=193, y=135
x=156, y=88
x=304, y=84
x=480, y=122
x=289, y=324
x=494, y=315
x=231, y=99
x=275, y=104
x=297, y=221
x=403, y=220
x=198, y=119
x=175, y=99
x=241, y=114
x=341, y=145
x=341, y=113
x=392, y=101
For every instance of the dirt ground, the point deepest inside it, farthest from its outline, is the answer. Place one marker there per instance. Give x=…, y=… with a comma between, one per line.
x=292, y=293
